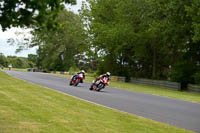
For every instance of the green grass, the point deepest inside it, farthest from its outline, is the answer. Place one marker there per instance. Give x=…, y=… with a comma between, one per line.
x=17, y=69
x=29, y=108
x=160, y=91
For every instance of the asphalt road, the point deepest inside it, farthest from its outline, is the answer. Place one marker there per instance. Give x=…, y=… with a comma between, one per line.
x=167, y=110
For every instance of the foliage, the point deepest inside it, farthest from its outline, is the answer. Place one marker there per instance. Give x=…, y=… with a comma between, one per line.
x=32, y=58
x=19, y=62
x=183, y=73
x=74, y=69
x=197, y=78
x=144, y=38
x=16, y=13
x=3, y=60
x=194, y=12
x=57, y=49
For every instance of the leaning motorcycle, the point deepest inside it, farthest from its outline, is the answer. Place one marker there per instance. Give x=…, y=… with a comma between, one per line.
x=99, y=84
x=75, y=80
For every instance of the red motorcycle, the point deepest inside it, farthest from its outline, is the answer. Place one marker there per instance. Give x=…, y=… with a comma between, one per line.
x=99, y=84
x=76, y=79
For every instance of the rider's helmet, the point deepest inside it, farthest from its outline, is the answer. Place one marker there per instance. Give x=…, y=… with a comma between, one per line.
x=108, y=73
x=82, y=71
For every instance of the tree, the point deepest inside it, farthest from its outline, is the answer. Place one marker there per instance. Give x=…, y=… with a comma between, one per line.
x=32, y=58
x=125, y=34
x=194, y=12
x=182, y=17
x=58, y=48
x=145, y=38
x=3, y=60
x=104, y=34
x=19, y=62
x=183, y=74
x=14, y=13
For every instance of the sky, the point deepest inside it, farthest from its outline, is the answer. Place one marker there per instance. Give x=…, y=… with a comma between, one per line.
x=8, y=50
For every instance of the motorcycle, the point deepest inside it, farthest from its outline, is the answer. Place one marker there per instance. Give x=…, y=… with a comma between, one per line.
x=100, y=84
x=75, y=80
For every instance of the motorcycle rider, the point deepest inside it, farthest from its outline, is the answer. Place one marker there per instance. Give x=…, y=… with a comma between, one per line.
x=81, y=72
x=107, y=75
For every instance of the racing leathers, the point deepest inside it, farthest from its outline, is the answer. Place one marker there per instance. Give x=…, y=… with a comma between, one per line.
x=76, y=76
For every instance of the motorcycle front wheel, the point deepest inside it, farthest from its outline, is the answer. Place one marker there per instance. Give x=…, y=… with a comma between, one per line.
x=70, y=83
x=100, y=87
x=77, y=82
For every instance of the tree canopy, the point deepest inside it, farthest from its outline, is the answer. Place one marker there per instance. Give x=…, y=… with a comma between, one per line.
x=14, y=13
x=150, y=39
x=16, y=62
x=57, y=49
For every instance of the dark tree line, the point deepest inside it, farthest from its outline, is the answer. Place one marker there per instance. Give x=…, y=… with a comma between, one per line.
x=17, y=62
x=154, y=39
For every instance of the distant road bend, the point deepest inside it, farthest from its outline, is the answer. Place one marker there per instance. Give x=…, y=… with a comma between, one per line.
x=167, y=110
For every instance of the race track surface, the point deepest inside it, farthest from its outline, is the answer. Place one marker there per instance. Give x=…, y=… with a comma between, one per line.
x=167, y=110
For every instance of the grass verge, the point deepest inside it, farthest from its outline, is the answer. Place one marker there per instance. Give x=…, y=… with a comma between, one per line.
x=160, y=91
x=17, y=69
x=29, y=108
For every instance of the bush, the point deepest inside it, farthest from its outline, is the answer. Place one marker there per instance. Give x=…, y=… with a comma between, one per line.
x=74, y=69
x=183, y=73
x=197, y=78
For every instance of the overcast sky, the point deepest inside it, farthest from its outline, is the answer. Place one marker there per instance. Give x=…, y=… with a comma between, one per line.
x=10, y=50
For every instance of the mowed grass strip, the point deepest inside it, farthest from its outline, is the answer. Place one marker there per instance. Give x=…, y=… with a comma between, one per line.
x=29, y=108
x=160, y=91
x=150, y=89
x=17, y=69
